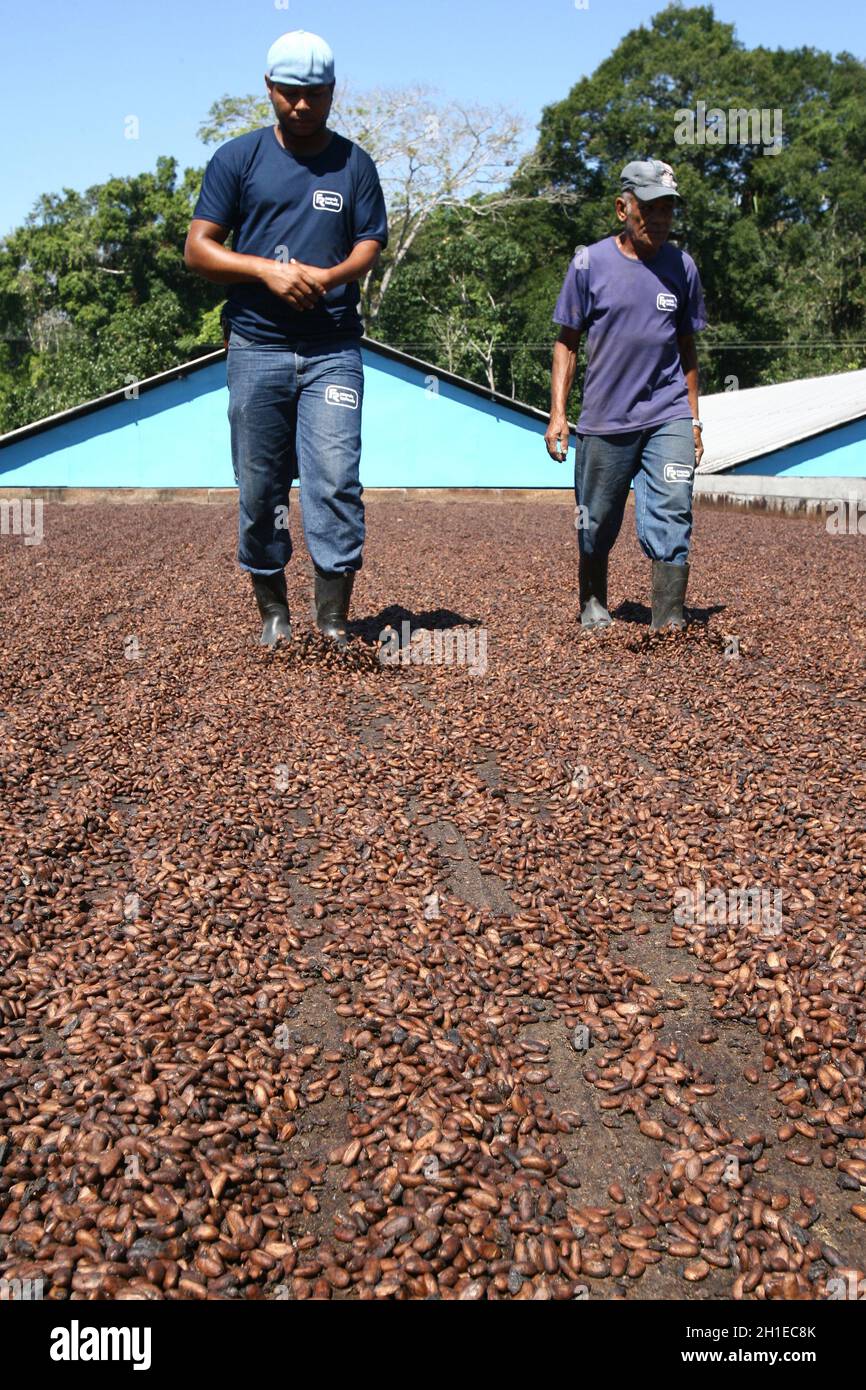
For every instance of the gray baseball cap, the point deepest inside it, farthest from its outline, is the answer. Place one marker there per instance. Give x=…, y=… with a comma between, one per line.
x=649, y=179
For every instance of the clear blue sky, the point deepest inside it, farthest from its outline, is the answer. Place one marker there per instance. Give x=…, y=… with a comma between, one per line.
x=72, y=72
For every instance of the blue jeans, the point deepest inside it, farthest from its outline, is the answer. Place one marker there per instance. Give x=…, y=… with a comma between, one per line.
x=296, y=413
x=661, y=460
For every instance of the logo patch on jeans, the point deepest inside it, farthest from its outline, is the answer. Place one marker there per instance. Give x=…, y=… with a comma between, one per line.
x=342, y=395
x=667, y=301
x=323, y=201
x=677, y=473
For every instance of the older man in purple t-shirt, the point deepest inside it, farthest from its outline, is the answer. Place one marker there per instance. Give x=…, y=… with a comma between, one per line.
x=640, y=301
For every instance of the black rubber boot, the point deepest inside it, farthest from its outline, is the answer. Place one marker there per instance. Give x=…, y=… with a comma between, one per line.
x=270, y=592
x=333, y=595
x=669, y=591
x=592, y=572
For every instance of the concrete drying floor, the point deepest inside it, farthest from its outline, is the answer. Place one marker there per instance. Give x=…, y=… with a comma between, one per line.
x=325, y=977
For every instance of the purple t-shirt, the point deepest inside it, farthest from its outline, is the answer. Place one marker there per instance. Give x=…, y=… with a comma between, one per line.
x=633, y=312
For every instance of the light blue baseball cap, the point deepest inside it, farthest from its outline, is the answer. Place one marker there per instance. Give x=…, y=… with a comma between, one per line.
x=299, y=59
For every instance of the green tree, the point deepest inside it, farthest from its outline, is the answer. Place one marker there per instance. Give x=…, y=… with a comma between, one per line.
x=778, y=237
x=458, y=309
x=94, y=293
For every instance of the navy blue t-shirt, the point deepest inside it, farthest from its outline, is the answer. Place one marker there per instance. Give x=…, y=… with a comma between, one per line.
x=633, y=312
x=281, y=206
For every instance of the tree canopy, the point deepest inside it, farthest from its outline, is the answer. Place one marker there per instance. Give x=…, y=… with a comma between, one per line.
x=778, y=238
x=94, y=293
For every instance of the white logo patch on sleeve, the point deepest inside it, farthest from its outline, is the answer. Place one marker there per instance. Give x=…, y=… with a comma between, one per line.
x=667, y=301
x=342, y=395
x=323, y=201
x=677, y=473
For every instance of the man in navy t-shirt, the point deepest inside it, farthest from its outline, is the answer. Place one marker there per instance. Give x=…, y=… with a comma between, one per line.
x=307, y=214
x=640, y=302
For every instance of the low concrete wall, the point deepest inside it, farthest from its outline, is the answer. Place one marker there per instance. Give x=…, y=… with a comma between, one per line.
x=787, y=493
x=204, y=495
x=87, y=496
x=784, y=494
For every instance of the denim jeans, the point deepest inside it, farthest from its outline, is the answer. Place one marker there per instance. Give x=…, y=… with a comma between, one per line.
x=296, y=413
x=661, y=460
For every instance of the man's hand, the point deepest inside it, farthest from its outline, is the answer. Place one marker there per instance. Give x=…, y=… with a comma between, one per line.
x=316, y=273
x=556, y=438
x=699, y=446
x=302, y=286
x=561, y=380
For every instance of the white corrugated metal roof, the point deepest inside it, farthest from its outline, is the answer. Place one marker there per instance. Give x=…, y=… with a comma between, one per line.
x=743, y=425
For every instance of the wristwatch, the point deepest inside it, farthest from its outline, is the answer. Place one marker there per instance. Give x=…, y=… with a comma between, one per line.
x=696, y=425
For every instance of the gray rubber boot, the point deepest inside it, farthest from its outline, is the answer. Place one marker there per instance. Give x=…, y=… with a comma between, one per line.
x=333, y=595
x=592, y=572
x=669, y=591
x=270, y=592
